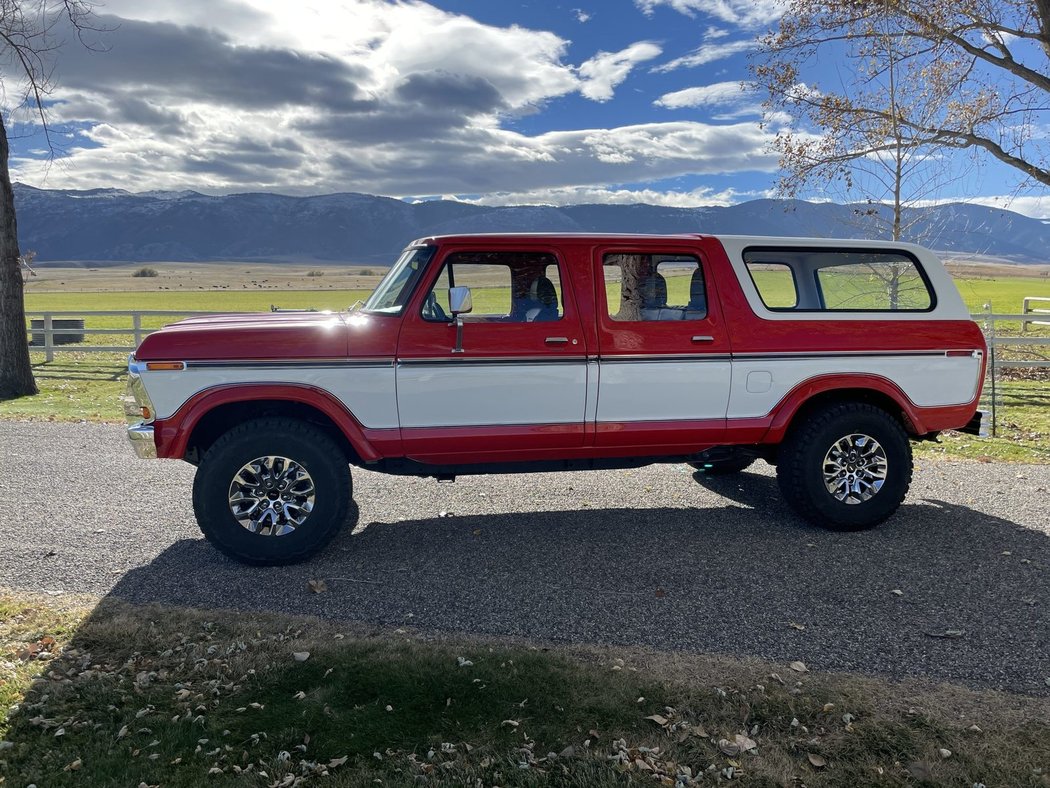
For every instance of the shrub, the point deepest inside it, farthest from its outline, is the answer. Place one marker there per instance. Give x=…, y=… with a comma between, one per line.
x=366, y=272
x=147, y=272
x=315, y=273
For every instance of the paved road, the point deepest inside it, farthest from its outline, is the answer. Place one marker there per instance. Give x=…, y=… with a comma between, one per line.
x=646, y=557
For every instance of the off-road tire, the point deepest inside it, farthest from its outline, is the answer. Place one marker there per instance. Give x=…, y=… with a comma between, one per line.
x=800, y=470
x=300, y=441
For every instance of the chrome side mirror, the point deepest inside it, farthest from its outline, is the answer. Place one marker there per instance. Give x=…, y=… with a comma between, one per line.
x=459, y=300
x=459, y=303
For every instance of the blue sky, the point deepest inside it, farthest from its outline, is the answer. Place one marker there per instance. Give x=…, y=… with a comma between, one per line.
x=492, y=102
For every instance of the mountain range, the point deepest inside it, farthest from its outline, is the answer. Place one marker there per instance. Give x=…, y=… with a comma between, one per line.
x=104, y=226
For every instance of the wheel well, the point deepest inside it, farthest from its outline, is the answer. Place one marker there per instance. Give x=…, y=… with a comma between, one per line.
x=221, y=418
x=869, y=396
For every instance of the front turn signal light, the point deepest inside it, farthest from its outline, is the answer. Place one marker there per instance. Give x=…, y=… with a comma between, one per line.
x=171, y=366
x=147, y=414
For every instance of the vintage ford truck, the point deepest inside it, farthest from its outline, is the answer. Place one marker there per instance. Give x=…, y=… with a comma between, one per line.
x=512, y=353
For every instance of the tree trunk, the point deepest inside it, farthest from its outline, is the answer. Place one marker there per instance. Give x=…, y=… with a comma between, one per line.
x=16, y=373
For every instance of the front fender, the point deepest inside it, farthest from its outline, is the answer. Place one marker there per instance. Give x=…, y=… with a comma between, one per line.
x=172, y=434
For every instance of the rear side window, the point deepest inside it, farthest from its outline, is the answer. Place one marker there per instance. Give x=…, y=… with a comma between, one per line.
x=660, y=287
x=821, y=280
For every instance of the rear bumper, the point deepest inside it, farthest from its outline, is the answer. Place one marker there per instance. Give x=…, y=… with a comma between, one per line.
x=141, y=438
x=978, y=425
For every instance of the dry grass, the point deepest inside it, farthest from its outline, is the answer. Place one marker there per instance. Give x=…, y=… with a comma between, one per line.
x=178, y=697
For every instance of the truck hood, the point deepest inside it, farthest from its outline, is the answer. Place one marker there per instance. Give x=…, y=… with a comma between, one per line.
x=250, y=336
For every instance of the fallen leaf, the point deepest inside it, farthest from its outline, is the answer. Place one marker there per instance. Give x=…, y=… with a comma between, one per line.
x=945, y=753
x=301, y=656
x=799, y=627
x=317, y=586
x=568, y=752
x=920, y=770
x=897, y=592
x=463, y=662
x=300, y=695
x=658, y=719
x=660, y=593
x=72, y=767
x=817, y=760
x=745, y=743
x=511, y=723
x=948, y=634
x=799, y=667
x=338, y=761
x=728, y=747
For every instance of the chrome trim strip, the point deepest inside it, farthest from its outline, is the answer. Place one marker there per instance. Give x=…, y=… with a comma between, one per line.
x=441, y=361
x=141, y=438
x=320, y=363
x=837, y=354
x=655, y=359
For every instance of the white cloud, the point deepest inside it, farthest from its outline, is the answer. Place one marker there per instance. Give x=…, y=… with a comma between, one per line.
x=581, y=16
x=707, y=53
x=742, y=13
x=1035, y=206
x=365, y=95
x=588, y=195
x=603, y=72
x=718, y=94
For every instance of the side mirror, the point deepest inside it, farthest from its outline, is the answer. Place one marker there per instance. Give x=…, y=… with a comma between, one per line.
x=459, y=300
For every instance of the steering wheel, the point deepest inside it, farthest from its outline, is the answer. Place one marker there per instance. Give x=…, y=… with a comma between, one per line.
x=432, y=309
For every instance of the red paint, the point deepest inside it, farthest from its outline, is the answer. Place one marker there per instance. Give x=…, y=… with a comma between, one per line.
x=590, y=333
x=172, y=434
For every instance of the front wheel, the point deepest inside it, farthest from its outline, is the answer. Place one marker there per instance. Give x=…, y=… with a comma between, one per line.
x=272, y=491
x=846, y=468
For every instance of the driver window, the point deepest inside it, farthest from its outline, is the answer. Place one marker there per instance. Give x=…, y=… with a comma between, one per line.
x=505, y=287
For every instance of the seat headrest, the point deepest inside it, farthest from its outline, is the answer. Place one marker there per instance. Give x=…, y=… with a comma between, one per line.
x=697, y=290
x=542, y=290
x=654, y=291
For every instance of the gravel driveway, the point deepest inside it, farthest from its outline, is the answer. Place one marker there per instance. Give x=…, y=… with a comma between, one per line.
x=645, y=557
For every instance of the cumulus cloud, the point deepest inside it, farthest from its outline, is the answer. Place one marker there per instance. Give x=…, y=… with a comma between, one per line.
x=718, y=94
x=707, y=53
x=589, y=195
x=603, y=72
x=365, y=95
x=743, y=13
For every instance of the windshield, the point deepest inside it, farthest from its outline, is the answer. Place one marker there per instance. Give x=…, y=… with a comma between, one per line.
x=396, y=288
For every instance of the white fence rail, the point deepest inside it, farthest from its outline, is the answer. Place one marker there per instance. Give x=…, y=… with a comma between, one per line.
x=1035, y=306
x=47, y=331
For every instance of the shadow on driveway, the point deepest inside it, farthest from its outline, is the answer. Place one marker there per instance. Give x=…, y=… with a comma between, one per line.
x=748, y=579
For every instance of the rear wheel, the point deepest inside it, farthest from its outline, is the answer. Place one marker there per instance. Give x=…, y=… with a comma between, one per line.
x=846, y=468
x=272, y=491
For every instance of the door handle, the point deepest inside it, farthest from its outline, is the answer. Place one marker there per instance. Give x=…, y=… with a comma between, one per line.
x=557, y=340
x=703, y=339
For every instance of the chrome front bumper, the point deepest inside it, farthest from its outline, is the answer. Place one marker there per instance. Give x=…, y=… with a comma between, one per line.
x=141, y=438
x=138, y=405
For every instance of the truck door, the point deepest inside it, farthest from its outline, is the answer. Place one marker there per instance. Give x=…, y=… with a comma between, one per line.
x=515, y=388
x=664, y=355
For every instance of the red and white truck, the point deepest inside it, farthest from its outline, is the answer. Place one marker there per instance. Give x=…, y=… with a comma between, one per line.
x=528, y=352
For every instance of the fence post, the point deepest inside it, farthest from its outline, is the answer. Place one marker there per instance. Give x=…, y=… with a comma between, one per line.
x=990, y=333
x=49, y=340
x=136, y=324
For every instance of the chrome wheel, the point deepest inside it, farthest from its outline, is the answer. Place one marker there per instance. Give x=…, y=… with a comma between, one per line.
x=271, y=496
x=855, y=468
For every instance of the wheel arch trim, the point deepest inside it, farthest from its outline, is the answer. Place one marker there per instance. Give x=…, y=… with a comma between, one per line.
x=783, y=415
x=173, y=434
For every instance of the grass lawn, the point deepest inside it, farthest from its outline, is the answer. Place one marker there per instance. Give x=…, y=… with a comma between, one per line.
x=116, y=695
